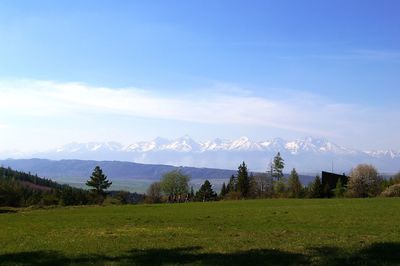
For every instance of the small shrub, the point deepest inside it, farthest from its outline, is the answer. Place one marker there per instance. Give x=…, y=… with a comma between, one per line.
x=154, y=194
x=122, y=197
x=364, y=182
x=233, y=195
x=110, y=201
x=392, y=191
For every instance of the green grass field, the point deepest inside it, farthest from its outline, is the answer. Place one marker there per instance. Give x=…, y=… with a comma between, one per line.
x=253, y=232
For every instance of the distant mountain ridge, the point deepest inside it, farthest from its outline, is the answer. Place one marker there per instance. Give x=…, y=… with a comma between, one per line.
x=309, y=155
x=114, y=169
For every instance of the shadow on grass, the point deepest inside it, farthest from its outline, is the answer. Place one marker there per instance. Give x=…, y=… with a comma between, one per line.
x=5, y=210
x=175, y=256
x=376, y=254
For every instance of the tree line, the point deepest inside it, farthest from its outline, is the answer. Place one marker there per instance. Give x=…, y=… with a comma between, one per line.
x=364, y=181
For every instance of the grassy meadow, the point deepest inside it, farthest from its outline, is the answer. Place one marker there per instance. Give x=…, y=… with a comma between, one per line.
x=251, y=232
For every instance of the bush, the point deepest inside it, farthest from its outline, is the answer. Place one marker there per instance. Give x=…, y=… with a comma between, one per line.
x=110, y=201
x=233, y=195
x=175, y=184
x=396, y=178
x=392, y=191
x=154, y=193
x=49, y=199
x=280, y=188
x=364, y=182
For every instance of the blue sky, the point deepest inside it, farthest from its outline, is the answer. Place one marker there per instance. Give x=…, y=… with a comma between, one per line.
x=282, y=68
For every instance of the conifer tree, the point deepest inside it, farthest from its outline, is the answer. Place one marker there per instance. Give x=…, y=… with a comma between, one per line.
x=232, y=185
x=277, y=166
x=98, y=181
x=223, y=190
x=191, y=193
x=255, y=187
x=269, y=180
x=206, y=193
x=243, y=182
x=295, y=187
x=326, y=191
x=316, y=188
x=339, y=190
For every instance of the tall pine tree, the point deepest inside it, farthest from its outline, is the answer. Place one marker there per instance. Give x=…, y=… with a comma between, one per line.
x=223, y=190
x=243, y=181
x=206, y=193
x=295, y=187
x=339, y=190
x=316, y=188
x=191, y=193
x=277, y=166
x=98, y=181
x=232, y=185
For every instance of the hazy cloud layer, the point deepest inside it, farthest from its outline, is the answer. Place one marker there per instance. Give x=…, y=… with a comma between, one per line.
x=304, y=113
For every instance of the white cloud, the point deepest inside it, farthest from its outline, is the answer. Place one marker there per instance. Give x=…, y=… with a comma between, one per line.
x=300, y=112
x=46, y=98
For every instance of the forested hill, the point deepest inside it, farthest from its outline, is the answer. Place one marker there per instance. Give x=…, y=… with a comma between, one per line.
x=7, y=174
x=19, y=189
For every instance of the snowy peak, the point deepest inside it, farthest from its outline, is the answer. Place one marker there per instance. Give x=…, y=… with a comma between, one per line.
x=244, y=144
x=216, y=145
x=379, y=154
x=315, y=145
x=90, y=146
x=276, y=144
x=183, y=144
x=144, y=146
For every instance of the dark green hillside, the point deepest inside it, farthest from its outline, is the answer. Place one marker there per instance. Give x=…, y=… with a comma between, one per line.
x=19, y=189
x=9, y=174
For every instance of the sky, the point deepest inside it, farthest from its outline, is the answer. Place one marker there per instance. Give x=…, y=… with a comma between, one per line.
x=78, y=71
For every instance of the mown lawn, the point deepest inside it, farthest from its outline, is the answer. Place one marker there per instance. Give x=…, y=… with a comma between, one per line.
x=253, y=232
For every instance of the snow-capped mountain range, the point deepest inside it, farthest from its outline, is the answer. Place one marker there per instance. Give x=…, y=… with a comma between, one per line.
x=187, y=144
x=307, y=155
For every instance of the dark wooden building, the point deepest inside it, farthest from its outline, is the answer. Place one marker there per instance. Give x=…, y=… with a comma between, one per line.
x=331, y=179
